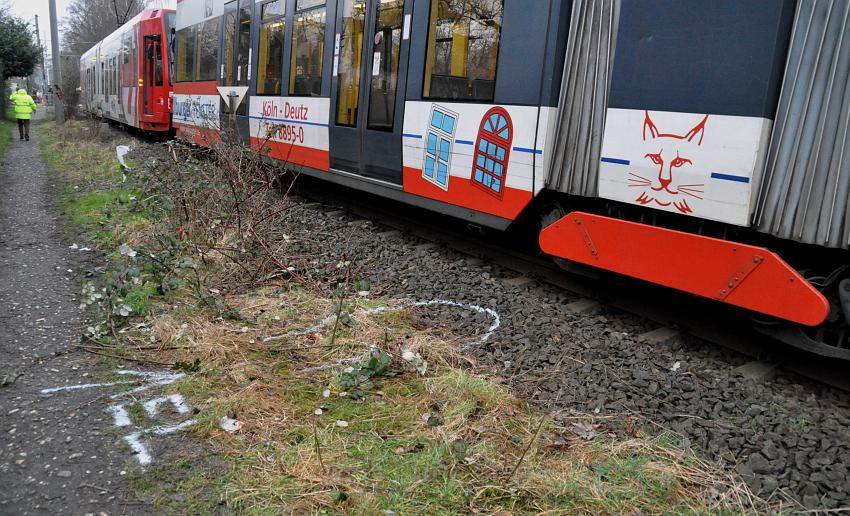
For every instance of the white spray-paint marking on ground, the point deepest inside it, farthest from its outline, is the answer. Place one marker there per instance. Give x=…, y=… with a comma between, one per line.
x=494, y=315
x=84, y=386
x=150, y=379
x=178, y=401
x=497, y=319
x=121, y=416
x=140, y=449
x=155, y=380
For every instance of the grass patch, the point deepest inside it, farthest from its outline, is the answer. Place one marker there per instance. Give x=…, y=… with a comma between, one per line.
x=6, y=126
x=450, y=441
x=142, y=299
x=94, y=208
x=92, y=193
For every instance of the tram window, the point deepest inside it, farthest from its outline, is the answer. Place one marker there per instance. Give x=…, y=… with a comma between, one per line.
x=186, y=54
x=382, y=92
x=207, y=51
x=157, y=60
x=270, y=58
x=125, y=48
x=229, y=51
x=463, y=46
x=273, y=9
x=351, y=43
x=244, y=49
x=169, y=45
x=308, y=48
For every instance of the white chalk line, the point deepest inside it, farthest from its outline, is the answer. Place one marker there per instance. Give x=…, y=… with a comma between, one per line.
x=140, y=449
x=121, y=416
x=178, y=401
x=494, y=315
x=497, y=319
x=84, y=386
x=153, y=378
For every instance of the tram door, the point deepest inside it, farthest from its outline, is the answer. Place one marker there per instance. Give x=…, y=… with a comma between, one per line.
x=370, y=53
x=153, y=94
x=236, y=52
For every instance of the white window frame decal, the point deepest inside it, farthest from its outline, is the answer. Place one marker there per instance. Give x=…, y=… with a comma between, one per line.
x=439, y=134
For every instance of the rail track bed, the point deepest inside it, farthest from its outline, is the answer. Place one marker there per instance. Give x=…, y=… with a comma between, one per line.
x=605, y=354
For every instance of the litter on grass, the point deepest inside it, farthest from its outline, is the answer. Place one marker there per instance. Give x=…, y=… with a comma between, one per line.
x=122, y=151
x=230, y=425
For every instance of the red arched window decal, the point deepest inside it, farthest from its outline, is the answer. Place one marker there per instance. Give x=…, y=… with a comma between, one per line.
x=492, y=152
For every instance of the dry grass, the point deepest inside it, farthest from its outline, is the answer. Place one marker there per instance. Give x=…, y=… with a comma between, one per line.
x=490, y=452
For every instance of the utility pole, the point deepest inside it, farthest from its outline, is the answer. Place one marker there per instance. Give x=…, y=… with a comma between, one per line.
x=59, y=104
x=43, y=65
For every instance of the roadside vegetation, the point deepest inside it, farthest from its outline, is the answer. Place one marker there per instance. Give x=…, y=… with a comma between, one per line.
x=6, y=127
x=316, y=395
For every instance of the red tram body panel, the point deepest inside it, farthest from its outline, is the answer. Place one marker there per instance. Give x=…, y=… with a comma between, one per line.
x=127, y=76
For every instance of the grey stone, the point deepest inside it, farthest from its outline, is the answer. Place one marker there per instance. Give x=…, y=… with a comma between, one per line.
x=756, y=371
x=660, y=336
x=519, y=281
x=583, y=306
x=811, y=501
x=769, y=484
x=758, y=464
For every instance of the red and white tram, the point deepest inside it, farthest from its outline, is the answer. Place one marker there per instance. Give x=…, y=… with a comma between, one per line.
x=698, y=145
x=126, y=77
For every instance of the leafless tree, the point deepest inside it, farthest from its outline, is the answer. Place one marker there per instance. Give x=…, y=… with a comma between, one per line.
x=89, y=21
x=130, y=9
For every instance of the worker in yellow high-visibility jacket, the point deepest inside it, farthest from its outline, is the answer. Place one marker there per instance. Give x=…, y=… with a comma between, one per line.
x=24, y=110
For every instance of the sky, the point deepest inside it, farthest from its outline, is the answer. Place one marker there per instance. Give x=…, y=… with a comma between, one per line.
x=27, y=9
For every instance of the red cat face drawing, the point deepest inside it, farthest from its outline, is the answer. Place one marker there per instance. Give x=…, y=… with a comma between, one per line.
x=670, y=154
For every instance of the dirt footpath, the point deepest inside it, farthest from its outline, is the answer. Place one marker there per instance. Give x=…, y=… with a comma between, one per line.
x=58, y=454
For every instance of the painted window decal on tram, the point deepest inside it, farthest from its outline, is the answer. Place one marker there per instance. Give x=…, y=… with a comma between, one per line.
x=438, y=146
x=492, y=151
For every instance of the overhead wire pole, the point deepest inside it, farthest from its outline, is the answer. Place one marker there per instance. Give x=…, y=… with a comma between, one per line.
x=43, y=64
x=59, y=104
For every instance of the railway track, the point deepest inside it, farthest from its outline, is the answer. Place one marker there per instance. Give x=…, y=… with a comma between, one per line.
x=690, y=317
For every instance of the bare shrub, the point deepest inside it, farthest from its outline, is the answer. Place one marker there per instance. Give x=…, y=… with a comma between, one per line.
x=226, y=202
